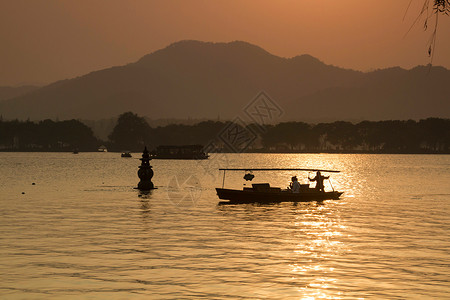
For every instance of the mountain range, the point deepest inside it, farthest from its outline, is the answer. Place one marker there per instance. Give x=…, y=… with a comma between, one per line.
x=193, y=79
x=8, y=92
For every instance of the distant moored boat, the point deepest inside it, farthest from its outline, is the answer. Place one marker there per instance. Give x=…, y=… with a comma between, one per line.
x=179, y=152
x=126, y=154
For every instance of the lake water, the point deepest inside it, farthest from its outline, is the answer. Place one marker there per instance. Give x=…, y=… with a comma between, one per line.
x=82, y=231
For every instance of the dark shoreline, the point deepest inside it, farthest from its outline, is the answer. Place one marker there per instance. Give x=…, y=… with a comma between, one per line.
x=429, y=136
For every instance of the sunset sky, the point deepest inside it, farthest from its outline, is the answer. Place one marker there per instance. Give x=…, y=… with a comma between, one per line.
x=45, y=41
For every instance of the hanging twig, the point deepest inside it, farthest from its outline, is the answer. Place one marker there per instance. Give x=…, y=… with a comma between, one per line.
x=430, y=8
x=439, y=7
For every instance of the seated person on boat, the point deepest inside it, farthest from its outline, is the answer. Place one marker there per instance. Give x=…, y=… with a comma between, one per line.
x=294, y=185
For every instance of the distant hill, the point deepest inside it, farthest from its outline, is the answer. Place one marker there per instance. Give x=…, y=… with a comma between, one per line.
x=387, y=94
x=192, y=79
x=8, y=92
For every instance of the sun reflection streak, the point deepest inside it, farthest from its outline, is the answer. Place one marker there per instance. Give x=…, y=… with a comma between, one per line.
x=320, y=234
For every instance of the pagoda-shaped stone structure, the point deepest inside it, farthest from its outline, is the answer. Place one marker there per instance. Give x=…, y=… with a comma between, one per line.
x=145, y=172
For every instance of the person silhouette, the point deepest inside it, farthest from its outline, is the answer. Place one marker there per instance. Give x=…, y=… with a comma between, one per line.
x=319, y=181
x=295, y=185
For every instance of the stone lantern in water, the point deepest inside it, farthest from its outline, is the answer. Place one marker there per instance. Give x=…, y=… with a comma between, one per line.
x=145, y=172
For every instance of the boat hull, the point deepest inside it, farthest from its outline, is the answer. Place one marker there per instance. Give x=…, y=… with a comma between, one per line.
x=242, y=196
x=184, y=157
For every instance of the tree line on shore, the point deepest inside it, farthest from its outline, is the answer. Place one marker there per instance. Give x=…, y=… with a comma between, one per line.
x=46, y=135
x=132, y=133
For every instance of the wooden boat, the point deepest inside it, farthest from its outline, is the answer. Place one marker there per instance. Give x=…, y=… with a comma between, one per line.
x=264, y=193
x=126, y=154
x=179, y=152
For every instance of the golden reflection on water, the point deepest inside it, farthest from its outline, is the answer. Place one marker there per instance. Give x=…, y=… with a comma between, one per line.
x=320, y=242
x=83, y=231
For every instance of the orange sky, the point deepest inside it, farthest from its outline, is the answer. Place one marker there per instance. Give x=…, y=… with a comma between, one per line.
x=48, y=40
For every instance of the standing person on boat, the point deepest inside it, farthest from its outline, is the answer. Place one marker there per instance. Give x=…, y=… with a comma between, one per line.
x=319, y=181
x=295, y=185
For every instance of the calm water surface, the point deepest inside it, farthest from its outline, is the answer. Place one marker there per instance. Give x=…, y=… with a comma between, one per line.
x=82, y=231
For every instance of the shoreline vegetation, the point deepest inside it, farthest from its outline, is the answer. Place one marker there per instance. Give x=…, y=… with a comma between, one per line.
x=132, y=132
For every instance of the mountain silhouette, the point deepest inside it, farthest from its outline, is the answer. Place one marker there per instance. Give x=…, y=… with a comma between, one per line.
x=8, y=92
x=205, y=80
